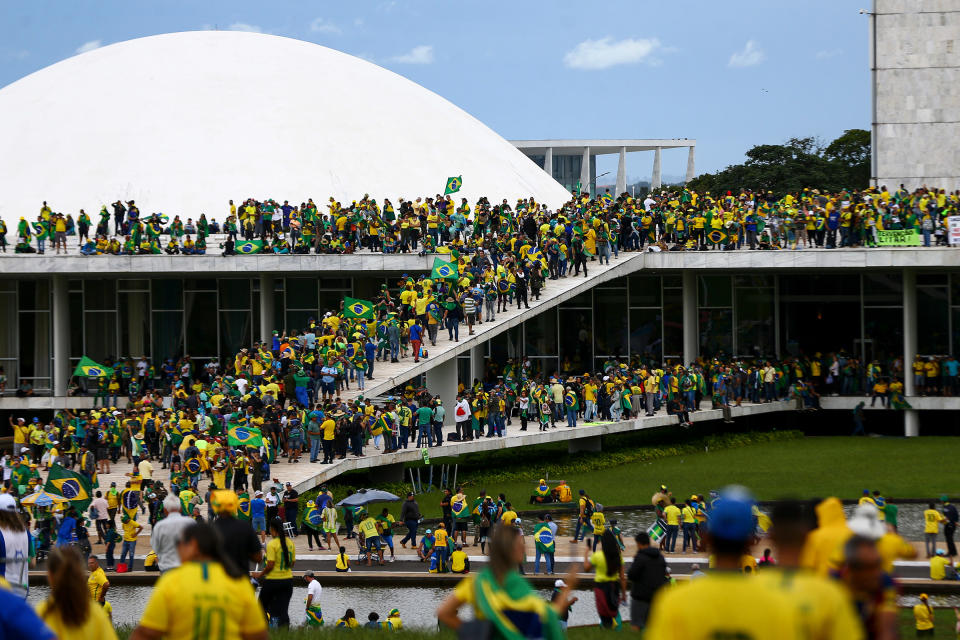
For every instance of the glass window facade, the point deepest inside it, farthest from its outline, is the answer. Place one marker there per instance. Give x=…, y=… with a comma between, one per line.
x=639, y=316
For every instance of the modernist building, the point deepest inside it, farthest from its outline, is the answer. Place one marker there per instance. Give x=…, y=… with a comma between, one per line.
x=915, y=64
x=574, y=162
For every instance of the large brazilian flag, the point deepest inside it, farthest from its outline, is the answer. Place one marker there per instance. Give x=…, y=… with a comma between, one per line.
x=89, y=369
x=717, y=236
x=356, y=308
x=443, y=270
x=73, y=486
x=249, y=247
x=238, y=436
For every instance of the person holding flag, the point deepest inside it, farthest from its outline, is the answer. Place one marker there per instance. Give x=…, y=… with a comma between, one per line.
x=545, y=543
x=572, y=403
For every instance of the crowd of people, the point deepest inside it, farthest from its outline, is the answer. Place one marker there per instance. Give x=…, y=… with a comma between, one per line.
x=841, y=570
x=671, y=219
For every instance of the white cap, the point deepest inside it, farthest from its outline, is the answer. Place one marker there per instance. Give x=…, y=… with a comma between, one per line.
x=7, y=502
x=258, y=493
x=560, y=584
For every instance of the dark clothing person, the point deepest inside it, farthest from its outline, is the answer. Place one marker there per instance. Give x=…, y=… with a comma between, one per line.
x=240, y=542
x=647, y=574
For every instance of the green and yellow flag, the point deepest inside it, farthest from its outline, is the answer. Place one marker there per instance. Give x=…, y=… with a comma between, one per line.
x=444, y=270
x=89, y=369
x=238, y=436
x=453, y=185
x=717, y=236
x=73, y=486
x=249, y=247
x=356, y=308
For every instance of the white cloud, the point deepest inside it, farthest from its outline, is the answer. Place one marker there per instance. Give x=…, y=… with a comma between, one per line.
x=319, y=25
x=607, y=52
x=89, y=46
x=750, y=55
x=243, y=26
x=422, y=54
x=831, y=53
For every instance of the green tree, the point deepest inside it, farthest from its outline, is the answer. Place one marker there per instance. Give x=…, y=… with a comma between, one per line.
x=797, y=164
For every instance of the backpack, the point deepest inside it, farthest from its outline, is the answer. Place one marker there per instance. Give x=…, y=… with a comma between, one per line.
x=587, y=508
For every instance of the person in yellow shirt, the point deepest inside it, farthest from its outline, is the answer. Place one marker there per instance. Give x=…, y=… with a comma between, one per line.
x=68, y=612
x=923, y=617
x=727, y=604
x=276, y=579
x=688, y=516
x=939, y=564
x=219, y=596
x=824, y=611
x=671, y=515
x=931, y=528
x=599, y=521
x=97, y=581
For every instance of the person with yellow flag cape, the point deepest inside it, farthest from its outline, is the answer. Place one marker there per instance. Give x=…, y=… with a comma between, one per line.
x=461, y=515
x=130, y=501
x=541, y=493
x=545, y=544
x=502, y=598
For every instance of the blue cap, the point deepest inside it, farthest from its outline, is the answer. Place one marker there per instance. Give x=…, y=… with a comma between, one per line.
x=732, y=515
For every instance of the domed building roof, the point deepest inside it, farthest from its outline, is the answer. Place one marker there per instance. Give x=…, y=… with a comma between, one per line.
x=183, y=122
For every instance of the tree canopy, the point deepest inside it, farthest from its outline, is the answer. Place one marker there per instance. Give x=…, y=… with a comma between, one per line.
x=795, y=165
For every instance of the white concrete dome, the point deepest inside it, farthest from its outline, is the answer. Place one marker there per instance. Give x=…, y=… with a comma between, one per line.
x=183, y=122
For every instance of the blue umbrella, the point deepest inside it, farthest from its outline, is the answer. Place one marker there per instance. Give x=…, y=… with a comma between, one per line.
x=366, y=496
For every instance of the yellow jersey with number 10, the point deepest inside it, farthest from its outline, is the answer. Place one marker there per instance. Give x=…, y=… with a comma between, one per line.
x=199, y=600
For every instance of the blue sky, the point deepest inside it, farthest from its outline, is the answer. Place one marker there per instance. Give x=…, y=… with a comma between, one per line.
x=730, y=74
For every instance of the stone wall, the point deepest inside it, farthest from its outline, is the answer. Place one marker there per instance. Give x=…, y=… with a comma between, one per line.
x=918, y=93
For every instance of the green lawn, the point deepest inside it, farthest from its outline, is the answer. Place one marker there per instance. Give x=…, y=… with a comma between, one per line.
x=803, y=468
x=944, y=620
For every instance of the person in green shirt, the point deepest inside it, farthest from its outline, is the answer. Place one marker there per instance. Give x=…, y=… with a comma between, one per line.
x=424, y=417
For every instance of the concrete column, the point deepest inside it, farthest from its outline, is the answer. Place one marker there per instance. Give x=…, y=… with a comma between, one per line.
x=591, y=444
x=389, y=472
x=61, y=336
x=621, y=173
x=266, y=308
x=477, y=363
x=911, y=419
x=655, y=177
x=548, y=161
x=442, y=381
x=691, y=155
x=585, y=171
x=691, y=335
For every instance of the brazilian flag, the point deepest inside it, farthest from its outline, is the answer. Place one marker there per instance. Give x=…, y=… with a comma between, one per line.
x=39, y=229
x=75, y=487
x=459, y=508
x=238, y=436
x=380, y=426
x=314, y=616
x=87, y=368
x=249, y=247
x=607, y=199
x=453, y=185
x=130, y=501
x=543, y=538
x=357, y=308
x=504, y=285
x=444, y=270
x=571, y=401
x=312, y=517
x=243, y=510
x=192, y=466
x=717, y=236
